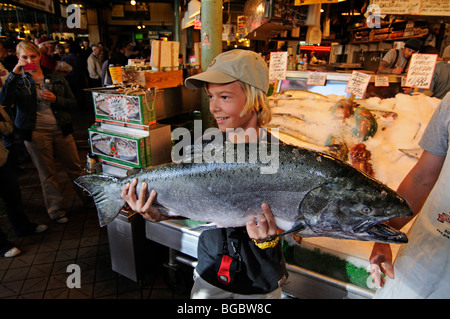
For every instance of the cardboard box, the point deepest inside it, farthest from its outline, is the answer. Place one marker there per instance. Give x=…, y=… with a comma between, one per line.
x=152, y=79
x=133, y=108
x=165, y=55
x=124, y=149
x=131, y=148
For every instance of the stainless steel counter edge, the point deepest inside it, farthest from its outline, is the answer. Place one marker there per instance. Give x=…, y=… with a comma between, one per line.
x=172, y=234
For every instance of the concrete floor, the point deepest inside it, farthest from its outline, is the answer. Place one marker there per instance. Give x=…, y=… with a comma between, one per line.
x=40, y=271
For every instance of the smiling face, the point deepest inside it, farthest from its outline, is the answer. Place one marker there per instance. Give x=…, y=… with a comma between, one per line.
x=226, y=102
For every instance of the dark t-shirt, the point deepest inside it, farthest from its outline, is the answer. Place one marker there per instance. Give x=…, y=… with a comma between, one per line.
x=255, y=270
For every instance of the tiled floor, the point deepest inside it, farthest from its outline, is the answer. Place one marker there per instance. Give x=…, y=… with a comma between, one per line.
x=40, y=271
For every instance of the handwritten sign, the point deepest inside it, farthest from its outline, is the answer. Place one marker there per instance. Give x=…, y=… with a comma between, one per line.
x=278, y=65
x=357, y=84
x=381, y=80
x=316, y=78
x=421, y=69
x=420, y=7
x=403, y=81
x=435, y=7
x=399, y=6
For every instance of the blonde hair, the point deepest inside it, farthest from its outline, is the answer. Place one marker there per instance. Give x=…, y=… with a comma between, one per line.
x=256, y=101
x=27, y=45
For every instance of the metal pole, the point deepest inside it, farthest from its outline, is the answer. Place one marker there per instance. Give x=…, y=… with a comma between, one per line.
x=176, y=20
x=211, y=37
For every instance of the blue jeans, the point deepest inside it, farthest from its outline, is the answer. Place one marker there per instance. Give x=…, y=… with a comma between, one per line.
x=12, y=196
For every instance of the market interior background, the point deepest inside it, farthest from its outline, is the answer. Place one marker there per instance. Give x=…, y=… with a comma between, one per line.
x=344, y=43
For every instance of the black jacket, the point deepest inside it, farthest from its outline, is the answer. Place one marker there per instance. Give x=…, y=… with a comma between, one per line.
x=20, y=90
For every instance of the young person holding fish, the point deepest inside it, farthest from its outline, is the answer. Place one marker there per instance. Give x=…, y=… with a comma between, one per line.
x=43, y=101
x=422, y=267
x=232, y=262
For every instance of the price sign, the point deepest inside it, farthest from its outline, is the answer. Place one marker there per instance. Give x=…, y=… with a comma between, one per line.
x=316, y=78
x=278, y=65
x=381, y=80
x=357, y=84
x=421, y=69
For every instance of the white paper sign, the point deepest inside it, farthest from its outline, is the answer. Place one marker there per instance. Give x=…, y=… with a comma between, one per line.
x=316, y=78
x=278, y=65
x=381, y=80
x=421, y=69
x=357, y=84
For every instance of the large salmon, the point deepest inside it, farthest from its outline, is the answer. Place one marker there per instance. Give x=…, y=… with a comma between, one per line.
x=311, y=194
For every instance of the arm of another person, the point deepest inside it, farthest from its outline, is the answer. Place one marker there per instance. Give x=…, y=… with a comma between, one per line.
x=64, y=99
x=415, y=188
x=384, y=69
x=8, y=91
x=387, y=60
x=6, y=124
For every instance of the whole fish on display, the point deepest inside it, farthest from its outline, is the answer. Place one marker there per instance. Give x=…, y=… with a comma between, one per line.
x=310, y=193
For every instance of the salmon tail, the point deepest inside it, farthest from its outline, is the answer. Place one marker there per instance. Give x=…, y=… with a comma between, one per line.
x=106, y=191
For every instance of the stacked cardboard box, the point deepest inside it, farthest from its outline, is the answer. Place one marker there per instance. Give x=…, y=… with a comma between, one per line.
x=126, y=134
x=132, y=109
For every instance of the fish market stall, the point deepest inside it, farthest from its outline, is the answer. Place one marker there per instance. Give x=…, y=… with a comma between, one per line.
x=322, y=267
x=307, y=119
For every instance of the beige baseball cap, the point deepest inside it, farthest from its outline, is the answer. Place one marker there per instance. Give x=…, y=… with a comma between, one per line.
x=243, y=65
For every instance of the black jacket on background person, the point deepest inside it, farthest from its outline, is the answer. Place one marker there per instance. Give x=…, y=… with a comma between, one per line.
x=20, y=90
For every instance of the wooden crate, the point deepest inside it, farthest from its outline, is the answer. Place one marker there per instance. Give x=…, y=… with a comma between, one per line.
x=150, y=79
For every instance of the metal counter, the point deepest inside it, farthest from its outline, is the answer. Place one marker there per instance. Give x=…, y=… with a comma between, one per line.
x=182, y=240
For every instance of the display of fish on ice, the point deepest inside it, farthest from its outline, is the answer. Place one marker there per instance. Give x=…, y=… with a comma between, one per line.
x=310, y=193
x=305, y=119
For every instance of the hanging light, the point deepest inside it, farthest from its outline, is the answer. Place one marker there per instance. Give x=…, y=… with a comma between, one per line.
x=141, y=25
x=133, y=2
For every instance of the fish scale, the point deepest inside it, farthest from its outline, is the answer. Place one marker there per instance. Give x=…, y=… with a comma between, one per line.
x=311, y=193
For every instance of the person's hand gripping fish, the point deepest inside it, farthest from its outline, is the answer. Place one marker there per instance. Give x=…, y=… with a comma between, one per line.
x=141, y=203
x=258, y=228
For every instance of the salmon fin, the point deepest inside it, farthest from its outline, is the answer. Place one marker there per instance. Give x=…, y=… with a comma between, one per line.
x=104, y=190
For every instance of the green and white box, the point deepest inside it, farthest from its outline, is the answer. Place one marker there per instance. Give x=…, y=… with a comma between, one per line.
x=132, y=108
x=129, y=147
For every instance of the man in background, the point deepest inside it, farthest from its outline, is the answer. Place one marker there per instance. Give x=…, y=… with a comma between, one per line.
x=396, y=61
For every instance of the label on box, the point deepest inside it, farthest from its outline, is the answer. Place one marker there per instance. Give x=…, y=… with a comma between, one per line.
x=125, y=150
x=131, y=108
